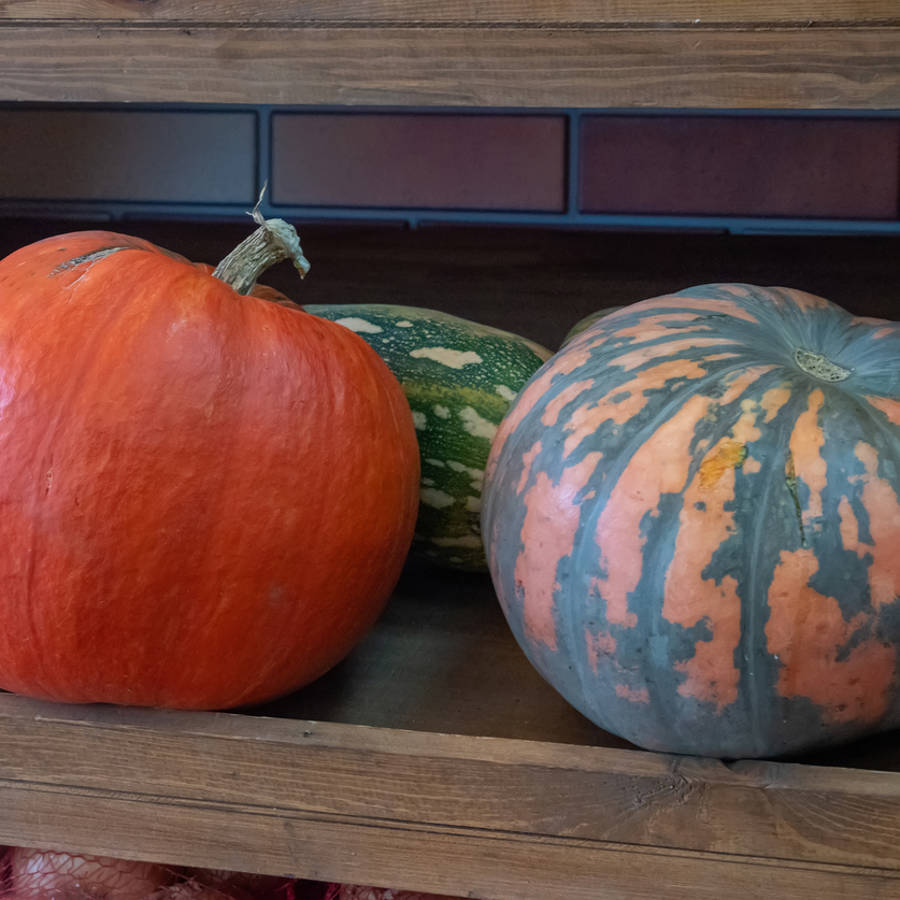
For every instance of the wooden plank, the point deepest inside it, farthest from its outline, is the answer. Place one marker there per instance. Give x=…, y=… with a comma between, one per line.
x=450, y=66
x=473, y=863
x=396, y=779
x=521, y=12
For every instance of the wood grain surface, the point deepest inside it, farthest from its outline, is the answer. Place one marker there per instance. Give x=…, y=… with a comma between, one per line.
x=477, y=816
x=461, y=862
x=456, y=54
x=657, y=13
x=441, y=640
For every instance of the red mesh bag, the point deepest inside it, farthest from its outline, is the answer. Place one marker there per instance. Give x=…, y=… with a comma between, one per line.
x=363, y=892
x=29, y=874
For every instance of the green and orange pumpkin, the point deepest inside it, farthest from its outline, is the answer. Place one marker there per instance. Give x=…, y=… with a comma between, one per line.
x=692, y=522
x=206, y=497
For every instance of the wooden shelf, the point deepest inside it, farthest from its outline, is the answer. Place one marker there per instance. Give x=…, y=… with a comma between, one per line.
x=525, y=53
x=435, y=758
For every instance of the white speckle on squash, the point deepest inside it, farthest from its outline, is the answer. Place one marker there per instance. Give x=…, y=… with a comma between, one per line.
x=477, y=475
x=459, y=467
x=363, y=326
x=477, y=425
x=438, y=463
x=442, y=412
x=453, y=359
x=506, y=393
x=428, y=481
x=404, y=323
x=419, y=420
x=473, y=504
x=437, y=499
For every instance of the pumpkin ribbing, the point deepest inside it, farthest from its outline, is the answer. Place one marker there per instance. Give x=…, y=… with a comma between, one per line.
x=693, y=531
x=207, y=497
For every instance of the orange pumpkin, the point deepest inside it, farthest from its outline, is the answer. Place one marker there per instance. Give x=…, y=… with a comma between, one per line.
x=206, y=497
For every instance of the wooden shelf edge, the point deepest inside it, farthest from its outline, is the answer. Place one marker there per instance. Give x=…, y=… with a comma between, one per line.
x=661, y=13
x=284, y=732
x=447, y=813
x=454, y=65
x=454, y=861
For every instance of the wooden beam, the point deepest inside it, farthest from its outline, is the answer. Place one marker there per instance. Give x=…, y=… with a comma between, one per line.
x=734, y=66
x=472, y=863
x=658, y=13
x=108, y=765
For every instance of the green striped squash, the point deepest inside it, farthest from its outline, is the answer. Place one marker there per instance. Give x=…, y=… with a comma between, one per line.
x=585, y=323
x=460, y=378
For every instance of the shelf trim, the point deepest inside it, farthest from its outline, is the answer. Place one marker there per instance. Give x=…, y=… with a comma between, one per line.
x=96, y=778
x=468, y=65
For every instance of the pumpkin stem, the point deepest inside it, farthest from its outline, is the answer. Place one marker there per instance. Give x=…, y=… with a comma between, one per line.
x=272, y=242
x=820, y=367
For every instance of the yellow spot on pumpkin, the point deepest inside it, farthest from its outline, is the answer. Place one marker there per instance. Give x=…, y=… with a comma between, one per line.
x=730, y=455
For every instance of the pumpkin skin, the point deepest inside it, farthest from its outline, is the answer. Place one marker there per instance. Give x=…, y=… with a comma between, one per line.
x=583, y=324
x=458, y=377
x=693, y=526
x=207, y=498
